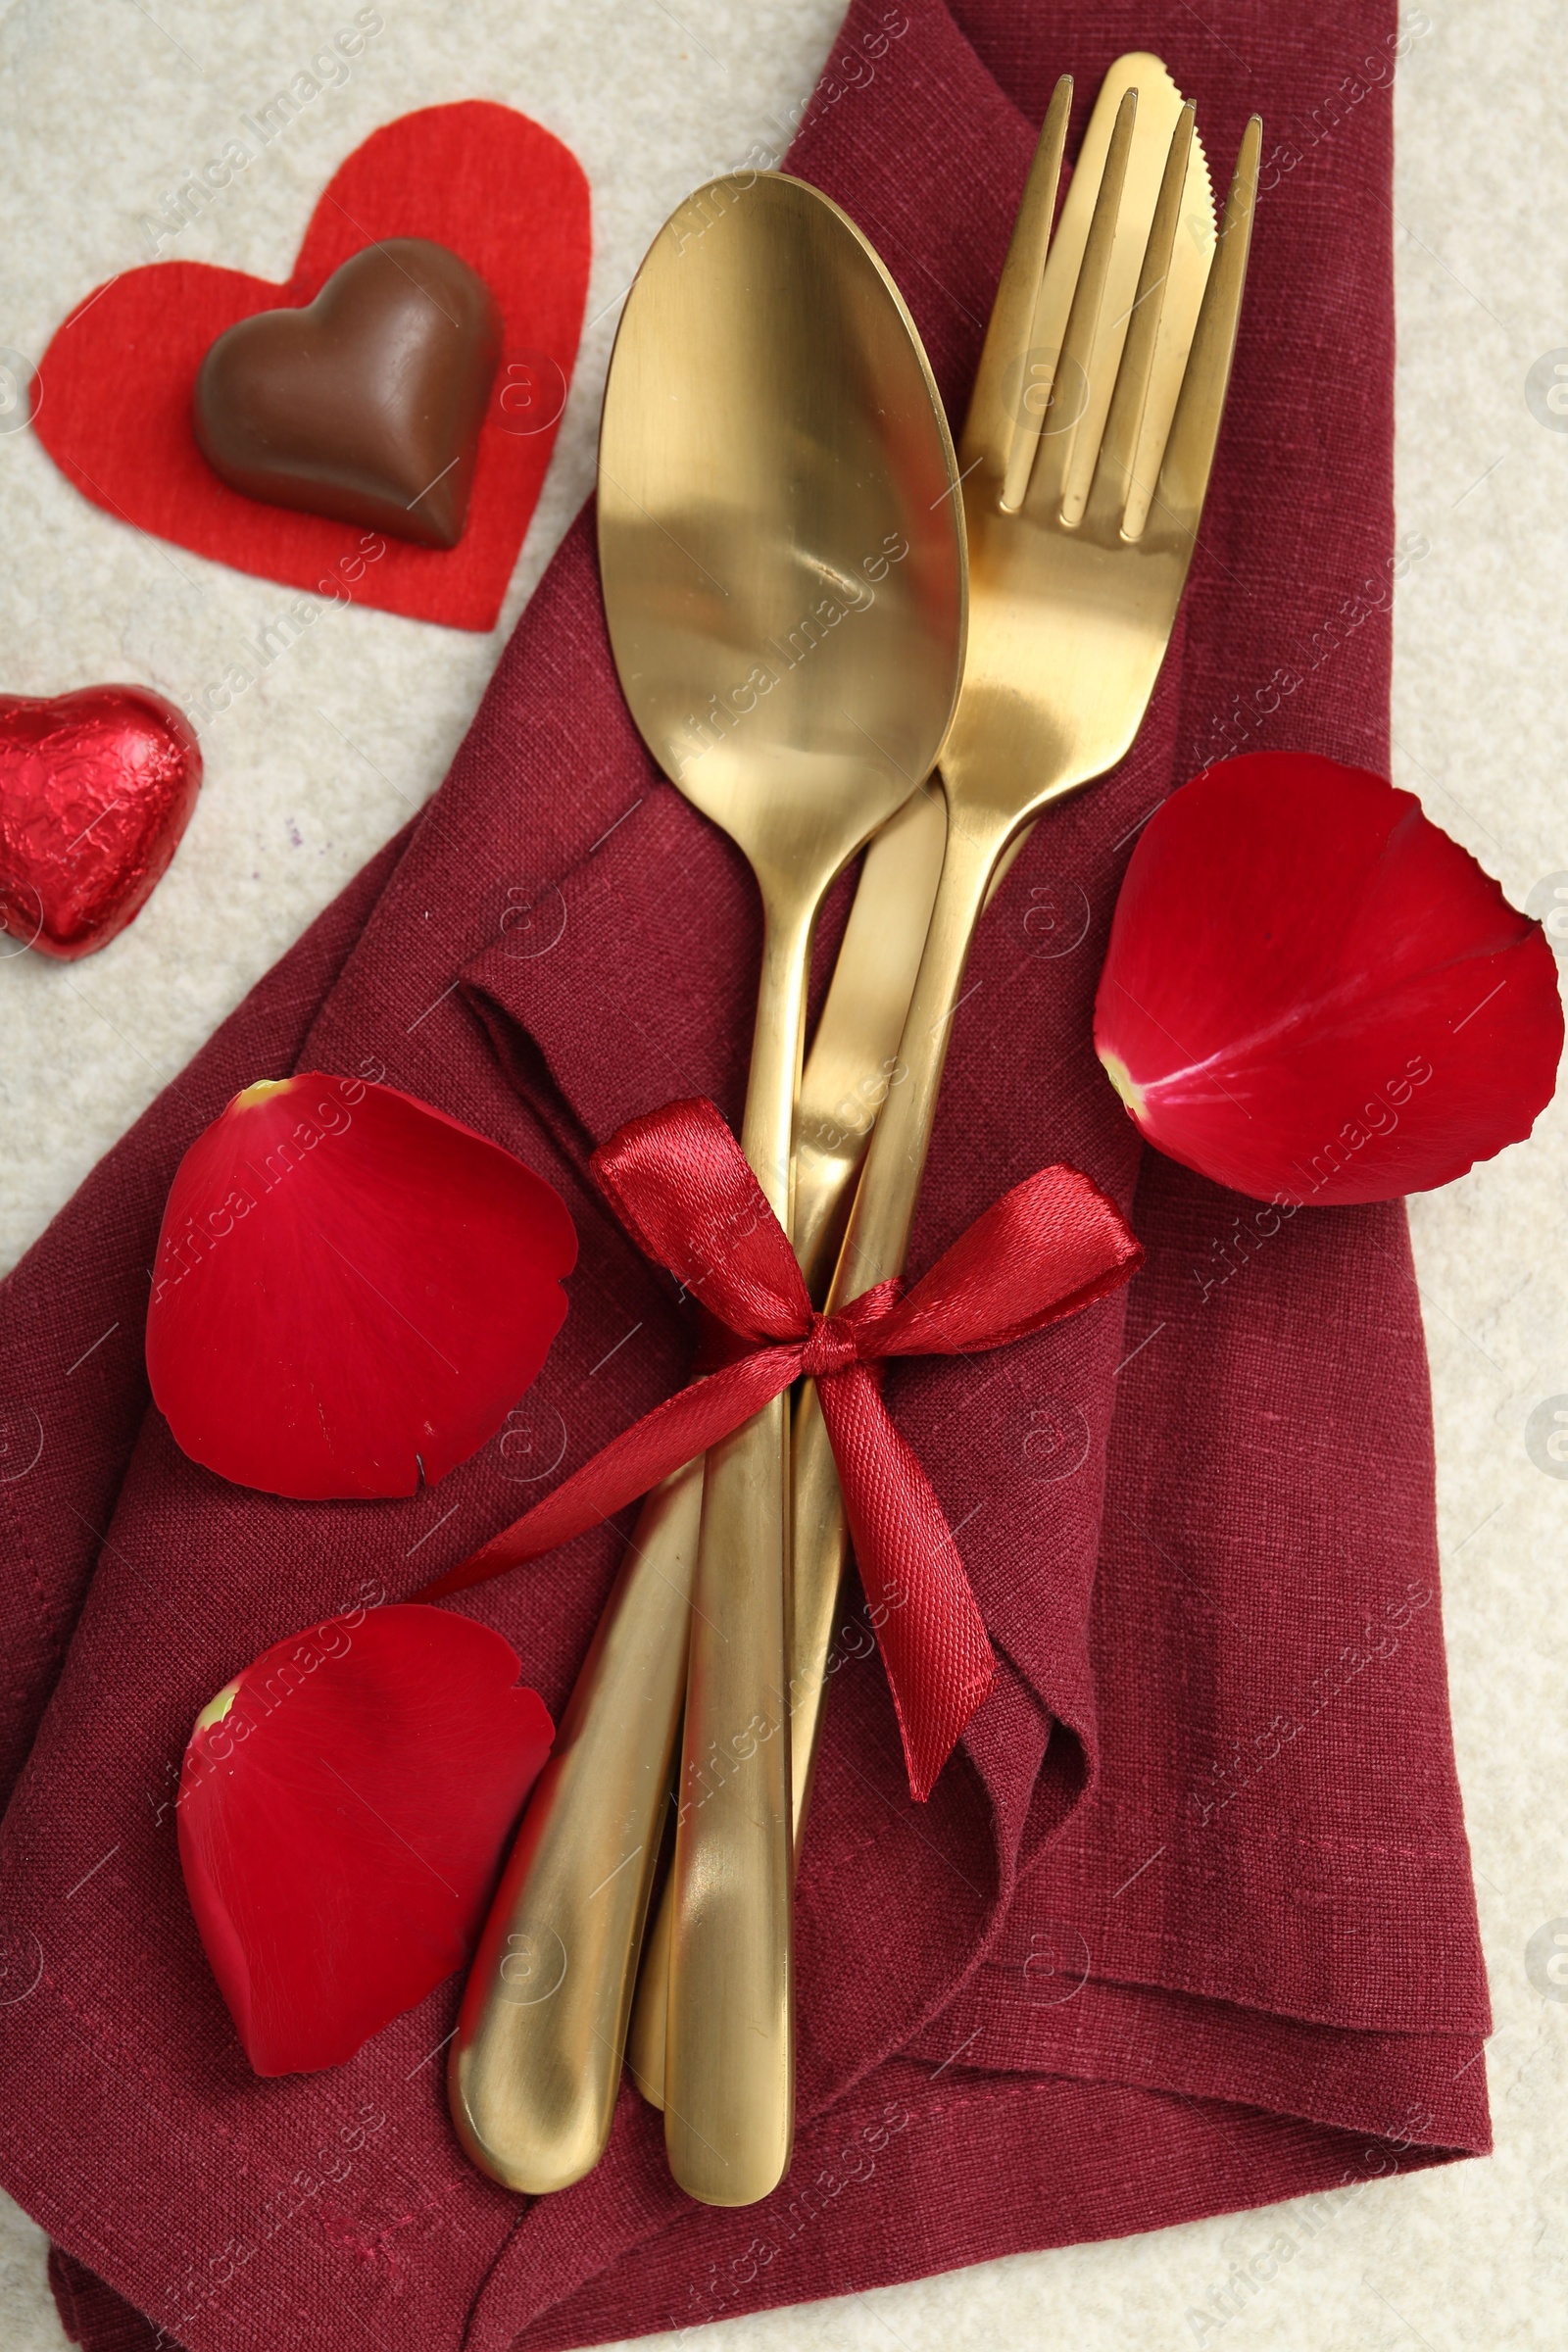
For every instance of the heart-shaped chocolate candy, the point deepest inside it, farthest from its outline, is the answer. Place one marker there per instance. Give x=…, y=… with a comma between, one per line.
x=95, y=791
x=365, y=405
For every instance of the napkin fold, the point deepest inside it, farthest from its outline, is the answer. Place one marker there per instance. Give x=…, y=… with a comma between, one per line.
x=1187, y=1924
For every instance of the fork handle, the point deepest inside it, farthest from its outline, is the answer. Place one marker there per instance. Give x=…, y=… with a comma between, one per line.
x=874, y=1250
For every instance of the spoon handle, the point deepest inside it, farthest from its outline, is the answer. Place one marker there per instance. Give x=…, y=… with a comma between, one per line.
x=729, y=2085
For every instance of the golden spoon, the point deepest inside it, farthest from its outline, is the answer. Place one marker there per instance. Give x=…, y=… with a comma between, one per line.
x=782, y=551
x=782, y=548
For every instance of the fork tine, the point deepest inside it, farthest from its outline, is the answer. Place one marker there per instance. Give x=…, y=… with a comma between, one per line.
x=1195, y=429
x=1113, y=486
x=996, y=404
x=1037, y=469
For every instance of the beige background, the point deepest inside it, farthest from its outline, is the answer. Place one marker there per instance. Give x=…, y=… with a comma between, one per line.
x=103, y=104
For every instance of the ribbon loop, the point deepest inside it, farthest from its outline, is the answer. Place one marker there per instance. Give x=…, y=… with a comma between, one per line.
x=680, y=1185
x=677, y=1181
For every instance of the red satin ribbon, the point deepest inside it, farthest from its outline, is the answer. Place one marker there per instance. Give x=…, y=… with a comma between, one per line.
x=678, y=1183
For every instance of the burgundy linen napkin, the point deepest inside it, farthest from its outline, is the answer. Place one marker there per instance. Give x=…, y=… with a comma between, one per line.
x=1187, y=1924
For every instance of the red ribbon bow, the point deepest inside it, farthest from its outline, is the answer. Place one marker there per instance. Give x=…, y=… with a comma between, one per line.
x=678, y=1184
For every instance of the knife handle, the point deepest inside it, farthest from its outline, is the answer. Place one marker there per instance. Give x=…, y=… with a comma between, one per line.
x=535, y=2064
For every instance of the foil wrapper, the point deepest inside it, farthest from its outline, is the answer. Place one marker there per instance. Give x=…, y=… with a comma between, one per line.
x=96, y=788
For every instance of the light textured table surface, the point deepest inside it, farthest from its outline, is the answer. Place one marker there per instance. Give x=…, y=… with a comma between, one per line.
x=104, y=103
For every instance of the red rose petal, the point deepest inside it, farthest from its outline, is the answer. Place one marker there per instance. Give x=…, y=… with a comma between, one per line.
x=1311, y=991
x=349, y=1285
x=342, y=1810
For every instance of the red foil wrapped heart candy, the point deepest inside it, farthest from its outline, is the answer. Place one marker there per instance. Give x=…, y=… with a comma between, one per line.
x=1311, y=993
x=95, y=790
x=343, y=1806
x=351, y=1289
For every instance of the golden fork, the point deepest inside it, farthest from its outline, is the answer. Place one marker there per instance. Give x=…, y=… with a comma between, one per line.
x=1077, y=564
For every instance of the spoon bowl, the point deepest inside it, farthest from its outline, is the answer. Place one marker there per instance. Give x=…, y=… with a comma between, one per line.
x=781, y=549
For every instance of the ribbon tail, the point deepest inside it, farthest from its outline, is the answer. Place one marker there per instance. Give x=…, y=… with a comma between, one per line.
x=938, y=1656
x=631, y=1465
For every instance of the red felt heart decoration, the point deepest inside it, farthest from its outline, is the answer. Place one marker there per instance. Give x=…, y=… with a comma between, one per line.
x=342, y=1809
x=351, y=1289
x=95, y=791
x=1312, y=994
x=113, y=401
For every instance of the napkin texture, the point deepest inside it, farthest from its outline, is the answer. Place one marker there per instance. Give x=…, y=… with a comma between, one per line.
x=1187, y=1924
